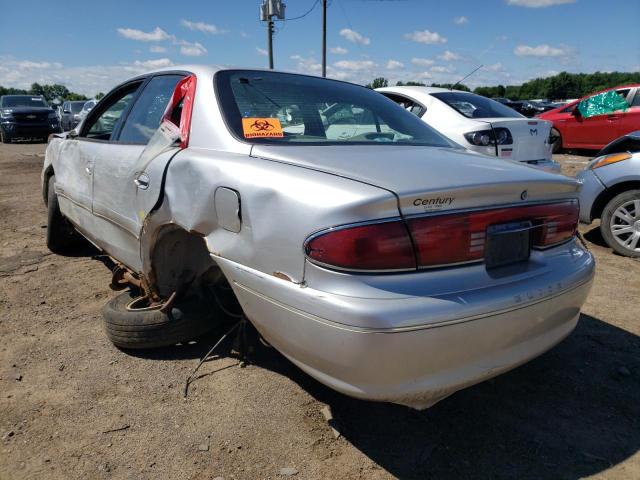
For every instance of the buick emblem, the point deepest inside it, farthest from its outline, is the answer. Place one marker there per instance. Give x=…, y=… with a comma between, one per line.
x=533, y=131
x=31, y=116
x=523, y=195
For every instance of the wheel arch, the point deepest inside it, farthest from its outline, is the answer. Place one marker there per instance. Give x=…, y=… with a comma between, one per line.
x=606, y=196
x=48, y=173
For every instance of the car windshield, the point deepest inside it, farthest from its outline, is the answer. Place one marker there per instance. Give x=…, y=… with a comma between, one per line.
x=281, y=108
x=475, y=106
x=76, y=106
x=23, y=101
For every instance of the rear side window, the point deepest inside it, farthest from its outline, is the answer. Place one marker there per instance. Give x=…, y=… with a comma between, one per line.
x=144, y=118
x=475, y=106
x=406, y=103
x=281, y=108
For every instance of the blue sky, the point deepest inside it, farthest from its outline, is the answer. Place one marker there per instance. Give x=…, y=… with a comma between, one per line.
x=91, y=46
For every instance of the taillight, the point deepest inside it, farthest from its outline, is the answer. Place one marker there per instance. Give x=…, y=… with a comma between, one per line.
x=461, y=237
x=379, y=246
x=439, y=240
x=183, y=95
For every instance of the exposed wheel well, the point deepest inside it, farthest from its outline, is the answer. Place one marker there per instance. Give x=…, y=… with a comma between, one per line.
x=608, y=194
x=48, y=173
x=180, y=259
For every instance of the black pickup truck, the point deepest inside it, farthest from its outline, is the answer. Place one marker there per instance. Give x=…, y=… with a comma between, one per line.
x=26, y=117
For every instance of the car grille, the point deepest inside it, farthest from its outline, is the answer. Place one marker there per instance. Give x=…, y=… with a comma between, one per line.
x=30, y=117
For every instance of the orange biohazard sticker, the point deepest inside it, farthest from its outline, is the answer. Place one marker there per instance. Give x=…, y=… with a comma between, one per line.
x=261, y=127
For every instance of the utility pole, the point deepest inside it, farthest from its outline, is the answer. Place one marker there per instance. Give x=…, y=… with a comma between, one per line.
x=324, y=38
x=268, y=10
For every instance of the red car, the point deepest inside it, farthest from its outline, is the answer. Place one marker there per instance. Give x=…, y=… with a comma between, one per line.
x=571, y=130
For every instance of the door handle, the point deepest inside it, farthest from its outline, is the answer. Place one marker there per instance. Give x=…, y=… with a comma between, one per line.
x=142, y=181
x=88, y=170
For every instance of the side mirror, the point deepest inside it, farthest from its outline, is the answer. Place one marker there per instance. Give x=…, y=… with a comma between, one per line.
x=576, y=112
x=72, y=133
x=66, y=111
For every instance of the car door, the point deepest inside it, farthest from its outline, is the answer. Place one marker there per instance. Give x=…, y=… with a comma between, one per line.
x=117, y=180
x=630, y=120
x=598, y=130
x=95, y=141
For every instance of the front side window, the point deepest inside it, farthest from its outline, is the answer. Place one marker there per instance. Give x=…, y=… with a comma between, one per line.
x=475, y=106
x=145, y=115
x=280, y=108
x=102, y=126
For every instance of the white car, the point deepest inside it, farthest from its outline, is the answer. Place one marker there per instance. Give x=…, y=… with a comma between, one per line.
x=479, y=123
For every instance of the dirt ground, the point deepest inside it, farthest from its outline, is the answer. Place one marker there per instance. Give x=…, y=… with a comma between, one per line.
x=74, y=406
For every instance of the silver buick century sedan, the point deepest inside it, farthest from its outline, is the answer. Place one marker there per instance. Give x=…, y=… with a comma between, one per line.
x=381, y=258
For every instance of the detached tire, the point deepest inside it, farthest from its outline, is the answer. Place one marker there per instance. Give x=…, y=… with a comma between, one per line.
x=129, y=327
x=60, y=233
x=620, y=223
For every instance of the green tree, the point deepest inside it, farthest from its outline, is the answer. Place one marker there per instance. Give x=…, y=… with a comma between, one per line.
x=378, y=83
x=99, y=95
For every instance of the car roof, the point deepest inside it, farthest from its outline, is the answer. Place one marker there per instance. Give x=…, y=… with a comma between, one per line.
x=417, y=92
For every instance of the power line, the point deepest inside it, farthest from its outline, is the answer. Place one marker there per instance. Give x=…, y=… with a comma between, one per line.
x=315, y=4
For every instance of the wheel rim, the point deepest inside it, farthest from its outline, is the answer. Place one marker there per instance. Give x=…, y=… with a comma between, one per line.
x=625, y=225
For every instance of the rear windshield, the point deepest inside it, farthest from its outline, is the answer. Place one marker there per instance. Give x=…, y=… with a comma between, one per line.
x=476, y=106
x=23, y=101
x=76, y=106
x=281, y=108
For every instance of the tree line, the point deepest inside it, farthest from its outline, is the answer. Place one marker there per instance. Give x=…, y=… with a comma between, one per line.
x=561, y=86
x=49, y=92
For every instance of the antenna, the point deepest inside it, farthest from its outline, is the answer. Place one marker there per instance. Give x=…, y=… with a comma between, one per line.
x=467, y=76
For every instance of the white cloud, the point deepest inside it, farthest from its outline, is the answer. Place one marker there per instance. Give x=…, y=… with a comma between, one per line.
x=449, y=56
x=157, y=49
x=460, y=20
x=354, y=36
x=425, y=36
x=441, y=69
x=502, y=38
x=538, y=3
x=423, y=62
x=355, y=64
x=496, y=67
x=394, y=65
x=156, y=35
x=201, y=27
x=339, y=50
x=150, y=64
x=425, y=76
x=541, y=51
x=311, y=67
x=189, y=49
x=87, y=79
x=27, y=64
x=262, y=51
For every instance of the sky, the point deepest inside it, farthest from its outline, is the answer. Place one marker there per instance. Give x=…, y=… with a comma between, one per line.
x=92, y=46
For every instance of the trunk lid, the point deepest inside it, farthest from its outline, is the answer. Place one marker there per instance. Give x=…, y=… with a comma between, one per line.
x=429, y=179
x=530, y=138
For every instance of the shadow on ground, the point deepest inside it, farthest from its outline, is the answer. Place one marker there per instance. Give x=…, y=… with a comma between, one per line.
x=571, y=413
x=594, y=236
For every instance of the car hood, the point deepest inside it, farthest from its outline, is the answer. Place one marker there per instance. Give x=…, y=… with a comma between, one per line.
x=429, y=178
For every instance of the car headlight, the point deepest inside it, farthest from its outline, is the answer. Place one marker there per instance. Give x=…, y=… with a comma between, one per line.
x=6, y=114
x=484, y=138
x=609, y=159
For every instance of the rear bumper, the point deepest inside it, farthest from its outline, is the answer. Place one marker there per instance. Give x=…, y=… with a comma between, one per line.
x=420, y=362
x=544, y=164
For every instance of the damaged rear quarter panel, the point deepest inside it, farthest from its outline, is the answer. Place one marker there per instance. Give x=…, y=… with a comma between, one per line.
x=281, y=205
